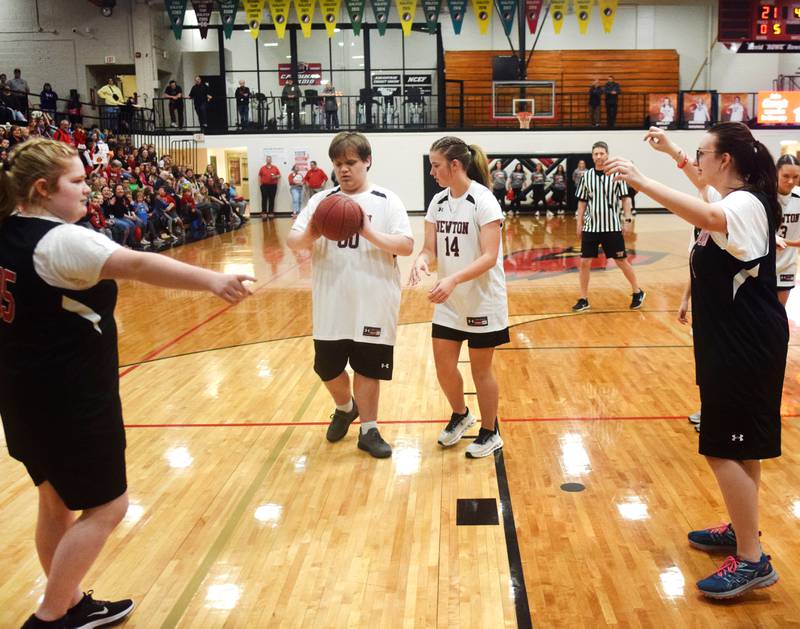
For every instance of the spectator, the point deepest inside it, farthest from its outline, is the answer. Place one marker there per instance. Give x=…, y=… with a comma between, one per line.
x=291, y=99
x=538, y=183
x=95, y=214
x=499, y=183
x=3, y=79
x=48, y=100
x=612, y=91
x=74, y=107
x=174, y=94
x=143, y=212
x=8, y=107
x=559, y=188
x=296, y=189
x=20, y=89
x=112, y=97
x=595, y=96
x=243, y=95
x=268, y=178
x=200, y=97
x=517, y=185
x=331, y=107
x=166, y=210
x=315, y=179
x=63, y=134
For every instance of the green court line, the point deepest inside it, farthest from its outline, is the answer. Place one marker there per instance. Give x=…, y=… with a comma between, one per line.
x=179, y=609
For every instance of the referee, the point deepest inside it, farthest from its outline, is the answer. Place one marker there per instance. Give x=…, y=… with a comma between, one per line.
x=598, y=224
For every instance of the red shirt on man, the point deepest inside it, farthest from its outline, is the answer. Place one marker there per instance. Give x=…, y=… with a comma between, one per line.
x=269, y=175
x=315, y=178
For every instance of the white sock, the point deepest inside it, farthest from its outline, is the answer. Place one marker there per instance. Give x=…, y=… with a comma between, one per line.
x=366, y=426
x=345, y=408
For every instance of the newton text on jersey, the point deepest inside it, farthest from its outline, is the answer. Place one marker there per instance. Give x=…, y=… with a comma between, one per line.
x=452, y=227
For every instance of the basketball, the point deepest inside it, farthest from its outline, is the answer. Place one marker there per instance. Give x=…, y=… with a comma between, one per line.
x=337, y=217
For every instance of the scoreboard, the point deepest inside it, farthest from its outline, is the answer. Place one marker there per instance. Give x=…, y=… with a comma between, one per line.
x=776, y=21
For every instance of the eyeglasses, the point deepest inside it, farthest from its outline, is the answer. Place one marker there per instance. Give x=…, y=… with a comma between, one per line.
x=699, y=152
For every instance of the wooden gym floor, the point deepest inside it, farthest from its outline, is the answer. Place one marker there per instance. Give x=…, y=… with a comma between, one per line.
x=243, y=515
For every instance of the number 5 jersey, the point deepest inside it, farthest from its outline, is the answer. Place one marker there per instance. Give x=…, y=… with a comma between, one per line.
x=479, y=305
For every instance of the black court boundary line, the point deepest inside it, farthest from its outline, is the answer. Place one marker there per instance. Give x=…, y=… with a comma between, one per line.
x=516, y=574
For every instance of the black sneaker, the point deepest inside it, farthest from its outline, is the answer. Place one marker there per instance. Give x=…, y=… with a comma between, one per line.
x=637, y=299
x=340, y=422
x=35, y=623
x=581, y=305
x=89, y=613
x=373, y=443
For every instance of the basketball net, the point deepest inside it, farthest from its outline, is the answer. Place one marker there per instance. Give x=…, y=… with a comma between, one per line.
x=524, y=118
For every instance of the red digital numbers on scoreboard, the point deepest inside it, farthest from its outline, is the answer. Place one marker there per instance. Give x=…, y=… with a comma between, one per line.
x=776, y=21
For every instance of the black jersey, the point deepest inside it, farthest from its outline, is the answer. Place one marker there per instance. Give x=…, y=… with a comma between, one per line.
x=59, y=382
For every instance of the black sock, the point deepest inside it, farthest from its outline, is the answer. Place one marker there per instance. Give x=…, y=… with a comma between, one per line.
x=464, y=414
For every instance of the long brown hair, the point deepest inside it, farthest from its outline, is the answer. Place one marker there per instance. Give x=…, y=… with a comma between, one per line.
x=37, y=158
x=471, y=157
x=752, y=161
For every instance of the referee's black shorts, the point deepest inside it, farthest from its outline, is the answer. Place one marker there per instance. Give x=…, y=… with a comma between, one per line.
x=612, y=242
x=475, y=340
x=370, y=360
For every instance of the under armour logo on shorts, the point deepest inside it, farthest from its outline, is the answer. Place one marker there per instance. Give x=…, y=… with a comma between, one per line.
x=737, y=437
x=384, y=365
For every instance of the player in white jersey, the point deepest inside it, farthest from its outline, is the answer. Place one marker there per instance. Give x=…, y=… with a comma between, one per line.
x=356, y=292
x=462, y=234
x=788, y=237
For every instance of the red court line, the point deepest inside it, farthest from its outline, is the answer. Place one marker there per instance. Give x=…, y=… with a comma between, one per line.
x=412, y=421
x=183, y=335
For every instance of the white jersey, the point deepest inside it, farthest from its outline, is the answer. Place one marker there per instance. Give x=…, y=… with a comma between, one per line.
x=737, y=112
x=479, y=305
x=786, y=259
x=355, y=287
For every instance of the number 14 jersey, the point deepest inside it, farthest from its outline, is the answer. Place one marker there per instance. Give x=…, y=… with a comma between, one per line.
x=479, y=305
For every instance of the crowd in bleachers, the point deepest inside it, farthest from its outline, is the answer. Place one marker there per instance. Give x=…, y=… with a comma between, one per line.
x=138, y=198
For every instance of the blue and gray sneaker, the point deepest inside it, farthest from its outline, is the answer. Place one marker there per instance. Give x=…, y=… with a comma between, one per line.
x=715, y=539
x=736, y=576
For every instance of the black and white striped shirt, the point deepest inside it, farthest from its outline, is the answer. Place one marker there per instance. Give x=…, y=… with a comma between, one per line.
x=602, y=196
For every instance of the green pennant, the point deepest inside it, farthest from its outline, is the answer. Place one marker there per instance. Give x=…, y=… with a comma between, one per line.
x=175, y=10
x=508, y=11
x=457, y=10
x=380, y=8
x=227, y=15
x=431, y=10
x=355, y=9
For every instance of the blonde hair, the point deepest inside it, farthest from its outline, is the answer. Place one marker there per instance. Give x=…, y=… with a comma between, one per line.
x=472, y=157
x=37, y=158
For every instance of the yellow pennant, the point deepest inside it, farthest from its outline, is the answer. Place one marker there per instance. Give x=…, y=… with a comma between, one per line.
x=406, y=10
x=483, y=13
x=583, y=11
x=279, y=9
x=254, y=10
x=558, y=9
x=608, y=10
x=305, y=15
x=330, y=12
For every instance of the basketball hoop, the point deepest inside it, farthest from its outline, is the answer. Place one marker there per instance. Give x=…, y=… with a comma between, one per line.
x=524, y=118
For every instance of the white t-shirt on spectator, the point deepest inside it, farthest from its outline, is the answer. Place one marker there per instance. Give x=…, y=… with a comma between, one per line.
x=355, y=286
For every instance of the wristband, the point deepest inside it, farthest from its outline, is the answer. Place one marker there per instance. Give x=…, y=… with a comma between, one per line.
x=681, y=163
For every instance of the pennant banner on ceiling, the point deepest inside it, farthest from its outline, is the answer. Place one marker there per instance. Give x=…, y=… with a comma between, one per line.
x=583, y=11
x=254, y=10
x=457, y=10
x=557, y=10
x=175, y=10
x=381, y=10
x=507, y=10
x=355, y=9
x=202, y=9
x=533, y=9
x=330, y=13
x=279, y=10
x=305, y=15
x=483, y=13
x=406, y=10
x=431, y=10
x=227, y=14
x=608, y=10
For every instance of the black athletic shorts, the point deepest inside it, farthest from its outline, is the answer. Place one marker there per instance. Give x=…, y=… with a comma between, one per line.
x=82, y=482
x=613, y=244
x=475, y=340
x=370, y=360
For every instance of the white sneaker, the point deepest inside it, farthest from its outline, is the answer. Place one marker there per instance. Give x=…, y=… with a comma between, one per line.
x=486, y=443
x=455, y=429
x=144, y=242
x=694, y=418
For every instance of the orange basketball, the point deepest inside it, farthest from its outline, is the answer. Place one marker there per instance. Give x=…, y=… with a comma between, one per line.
x=337, y=217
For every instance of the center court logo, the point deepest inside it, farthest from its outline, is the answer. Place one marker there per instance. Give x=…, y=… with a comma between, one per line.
x=531, y=264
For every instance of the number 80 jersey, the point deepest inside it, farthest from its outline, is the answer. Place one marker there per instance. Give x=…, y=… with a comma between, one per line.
x=479, y=305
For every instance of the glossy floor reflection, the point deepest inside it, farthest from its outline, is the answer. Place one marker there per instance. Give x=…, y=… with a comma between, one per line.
x=243, y=515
